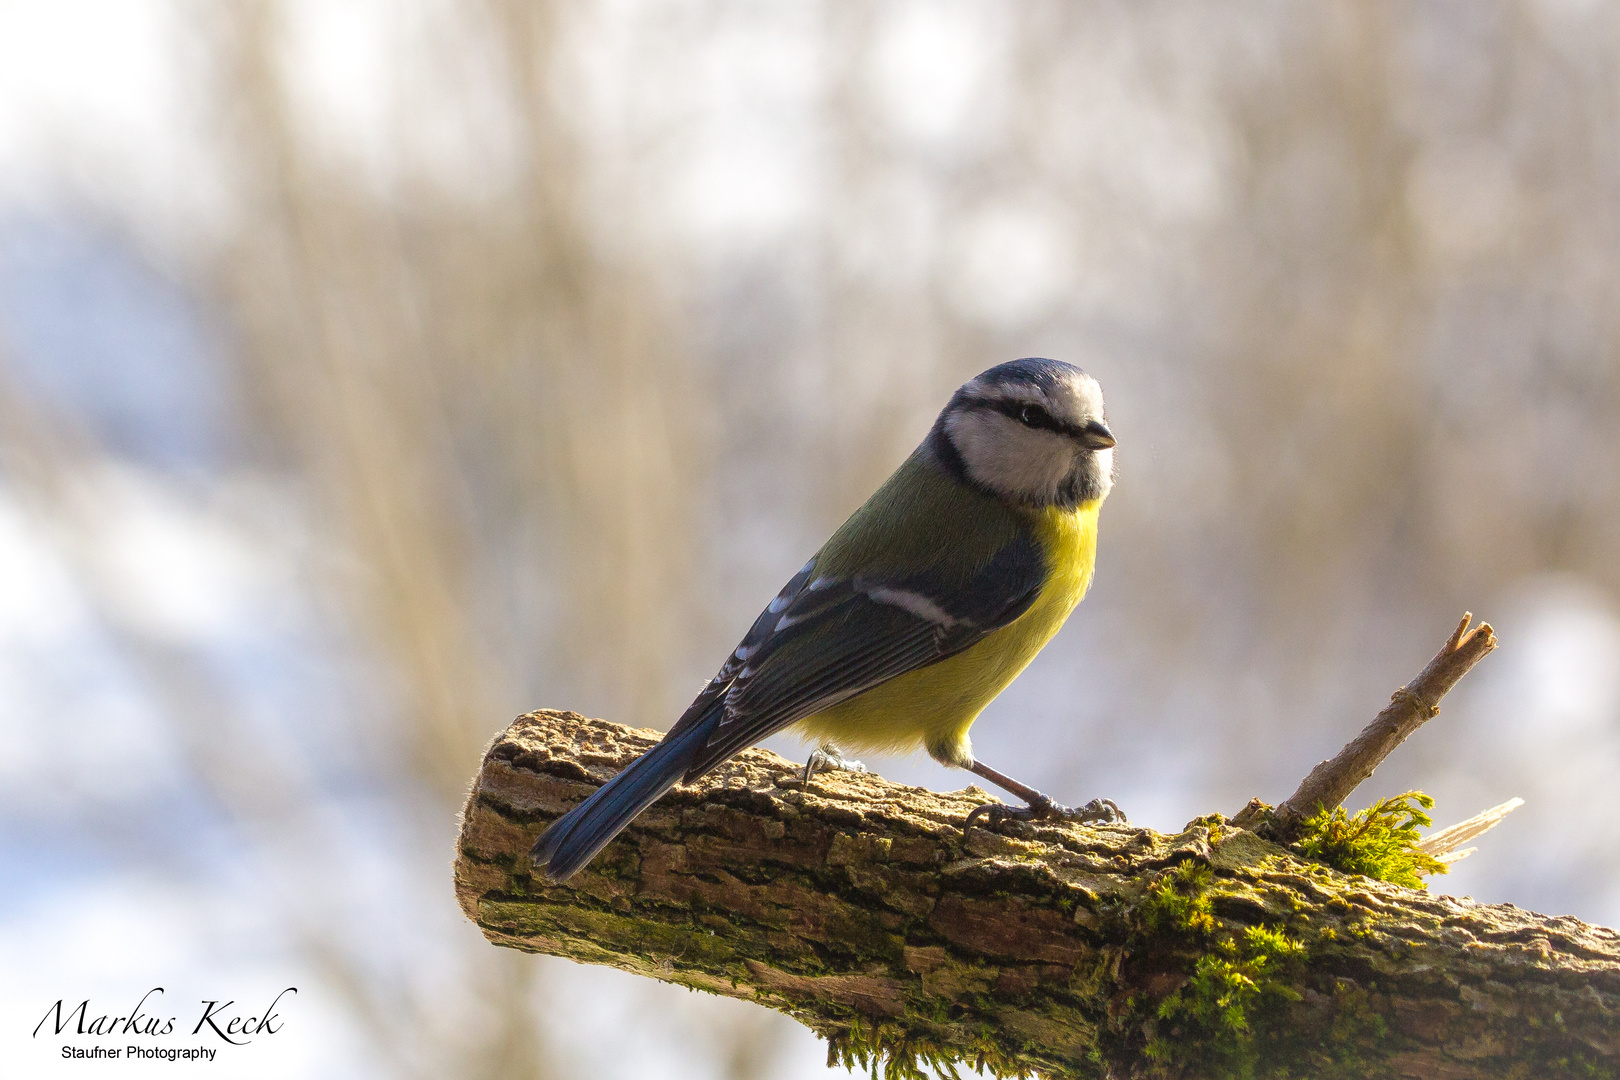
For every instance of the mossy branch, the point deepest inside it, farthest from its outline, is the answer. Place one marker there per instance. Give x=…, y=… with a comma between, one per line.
x=861, y=908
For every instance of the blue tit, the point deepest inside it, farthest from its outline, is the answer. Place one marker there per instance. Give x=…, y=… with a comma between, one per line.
x=917, y=612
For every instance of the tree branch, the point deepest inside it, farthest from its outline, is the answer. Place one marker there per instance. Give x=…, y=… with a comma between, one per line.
x=859, y=907
x=1409, y=708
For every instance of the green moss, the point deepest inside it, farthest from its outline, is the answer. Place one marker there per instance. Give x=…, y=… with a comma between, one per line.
x=1230, y=986
x=888, y=1050
x=1178, y=903
x=1215, y=823
x=1380, y=841
x=1239, y=980
x=1357, y=1032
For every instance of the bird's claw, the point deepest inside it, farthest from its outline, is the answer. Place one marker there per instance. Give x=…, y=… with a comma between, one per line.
x=996, y=813
x=1101, y=811
x=828, y=757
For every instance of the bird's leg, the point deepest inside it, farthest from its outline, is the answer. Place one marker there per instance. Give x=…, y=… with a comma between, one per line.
x=1040, y=806
x=827, y=756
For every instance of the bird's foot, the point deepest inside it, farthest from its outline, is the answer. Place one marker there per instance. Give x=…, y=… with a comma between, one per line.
x=828, y=757
x=1103, y=811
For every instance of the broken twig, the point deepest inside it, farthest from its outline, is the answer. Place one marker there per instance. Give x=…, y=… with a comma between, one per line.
x=1409, y=708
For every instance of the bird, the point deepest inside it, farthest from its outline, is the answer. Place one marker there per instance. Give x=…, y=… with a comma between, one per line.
x=913, y=616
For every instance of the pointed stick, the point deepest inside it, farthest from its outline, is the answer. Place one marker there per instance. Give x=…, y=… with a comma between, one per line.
x=1409, y=708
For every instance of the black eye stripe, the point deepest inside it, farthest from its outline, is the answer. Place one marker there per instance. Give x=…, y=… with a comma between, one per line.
x=1032, y=415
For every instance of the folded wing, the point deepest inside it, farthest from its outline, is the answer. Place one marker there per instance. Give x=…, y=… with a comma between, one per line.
x=825, y=639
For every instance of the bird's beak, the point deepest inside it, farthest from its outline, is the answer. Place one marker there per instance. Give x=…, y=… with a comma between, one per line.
x=1096, y=436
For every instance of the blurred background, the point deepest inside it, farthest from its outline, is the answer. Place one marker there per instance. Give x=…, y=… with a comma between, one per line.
x=373, y=371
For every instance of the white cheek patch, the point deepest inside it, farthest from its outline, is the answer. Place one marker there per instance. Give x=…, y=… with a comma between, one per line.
x=1006, y=456
x=1104, y=460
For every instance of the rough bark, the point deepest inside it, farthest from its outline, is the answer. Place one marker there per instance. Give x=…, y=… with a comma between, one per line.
x=859, y=907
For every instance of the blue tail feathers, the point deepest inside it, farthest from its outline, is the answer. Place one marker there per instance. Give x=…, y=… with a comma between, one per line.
x=575, y=838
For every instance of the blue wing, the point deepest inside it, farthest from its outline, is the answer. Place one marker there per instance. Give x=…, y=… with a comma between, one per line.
x=824, y=640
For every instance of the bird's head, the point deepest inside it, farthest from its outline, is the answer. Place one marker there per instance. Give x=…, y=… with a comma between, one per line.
x=1031, y=431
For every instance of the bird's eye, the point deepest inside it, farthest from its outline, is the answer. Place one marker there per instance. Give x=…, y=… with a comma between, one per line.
x=1033, y=416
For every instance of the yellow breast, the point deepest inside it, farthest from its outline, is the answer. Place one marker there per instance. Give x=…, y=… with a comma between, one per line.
x=933, y=707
